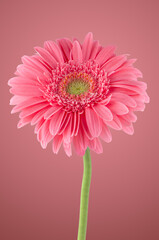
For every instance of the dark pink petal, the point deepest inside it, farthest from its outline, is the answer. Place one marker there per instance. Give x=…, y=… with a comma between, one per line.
x=54, y=50
x=77, y=52
x=87, y=46
x=105, y=54
x=46, y=56
x=118, y=108
x=103, y=112
x=56, y=144
x=114, y=63
x=93, y=122
x=106, y=134
x=56, y=122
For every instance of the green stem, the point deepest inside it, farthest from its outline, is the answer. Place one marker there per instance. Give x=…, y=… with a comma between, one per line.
x=87, y=172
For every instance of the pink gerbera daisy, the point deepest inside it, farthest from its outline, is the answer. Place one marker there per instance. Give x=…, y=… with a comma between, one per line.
x=74, y=93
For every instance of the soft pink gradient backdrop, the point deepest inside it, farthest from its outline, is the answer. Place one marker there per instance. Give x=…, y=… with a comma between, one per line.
x=40, y=191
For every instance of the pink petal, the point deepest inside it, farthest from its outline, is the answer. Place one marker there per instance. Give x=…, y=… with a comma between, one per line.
x=93, y=122
x=92, y=144
x=106, y=134
x=64, y=123
x=115, y=123
x=85, y=127
x=56, y=121
x=106, y=100
x=28, y=72
x=24, y=121
x=39, y=115
x=54, y=50
x=114, y=63
x=129, y=62
x=46, y=56
x=25, y=90
x=56, y=144
x=128, y=129
x=16, y=81
x=67, y=148
x=139, y=84
x=130, y=117
x=42, y=134
x=52, y=110
x=18, y=99
x=87, y=46
x=103, y=112
x=98, y=148
x=82, y=138
x=79, y=150
x=105, y=54
x=77, y=52
x=34, y=62
x=118, y=108
x=67, y=132
x=32, y=109
x=27, y=103
x=123, y=98
x=39, y=125
x=95, y=49
x=77, y=123
x=66, y=46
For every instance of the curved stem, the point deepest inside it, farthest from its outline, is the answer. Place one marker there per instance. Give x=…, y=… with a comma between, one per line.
x=87, y=172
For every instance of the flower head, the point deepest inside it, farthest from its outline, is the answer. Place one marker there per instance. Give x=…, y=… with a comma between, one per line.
x=74, y=93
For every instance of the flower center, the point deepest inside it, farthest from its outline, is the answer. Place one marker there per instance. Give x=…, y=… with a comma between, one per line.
x=77, y=87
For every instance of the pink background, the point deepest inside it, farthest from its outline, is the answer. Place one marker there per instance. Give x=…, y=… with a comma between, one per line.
x=40, y=191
